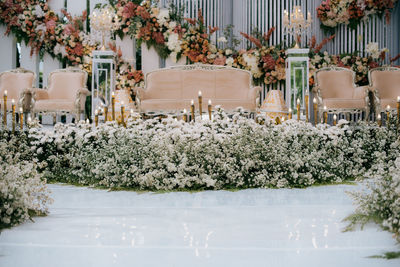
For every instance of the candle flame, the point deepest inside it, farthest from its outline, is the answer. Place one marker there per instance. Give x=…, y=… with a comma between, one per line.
x=379, y=117
x=298, y=101
x=13, y=101
x=20, y=110
x=184, y=110
x=5, y=93
x=388, y=107
x=199, y=93
x=192, y=102
x=398, y=99
x=315, y=100
x=325, y=108
x=209, y=102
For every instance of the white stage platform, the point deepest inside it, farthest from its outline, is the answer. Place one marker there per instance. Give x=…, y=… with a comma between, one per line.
x=298, y=227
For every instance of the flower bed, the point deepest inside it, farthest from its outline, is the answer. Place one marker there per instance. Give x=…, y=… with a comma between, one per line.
x=23, y=192
x=380, y=203
x=210, y=155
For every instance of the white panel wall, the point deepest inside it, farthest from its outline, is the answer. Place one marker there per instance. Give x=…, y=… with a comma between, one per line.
x=29, y=62
x=7, y=51
x=49, y=64
x=150, y=59
x=56, y=5
x=76, y=7
x=128, y=49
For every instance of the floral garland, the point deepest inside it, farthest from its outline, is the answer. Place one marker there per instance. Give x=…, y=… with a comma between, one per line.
x=332, y=13
x=170, y=34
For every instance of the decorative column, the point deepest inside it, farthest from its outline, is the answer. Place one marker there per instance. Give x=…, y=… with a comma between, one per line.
x=297, y=83
x=103, y=79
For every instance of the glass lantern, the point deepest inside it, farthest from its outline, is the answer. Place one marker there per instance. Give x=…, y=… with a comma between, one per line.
x=297, y=83
x=103, y=78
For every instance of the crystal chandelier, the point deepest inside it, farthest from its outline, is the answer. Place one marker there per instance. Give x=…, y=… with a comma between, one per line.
x=296, y=24
x=104, y=23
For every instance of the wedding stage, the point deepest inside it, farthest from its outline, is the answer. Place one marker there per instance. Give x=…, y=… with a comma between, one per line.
x=199, y=133
x=255, y=227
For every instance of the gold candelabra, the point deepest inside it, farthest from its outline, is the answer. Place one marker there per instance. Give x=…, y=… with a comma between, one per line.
x=200, y=104
x=295, y=24
x=192, y=110
x=209, y=110
x=315, y=111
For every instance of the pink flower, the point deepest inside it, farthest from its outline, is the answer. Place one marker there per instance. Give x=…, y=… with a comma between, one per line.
x=220, y=61
x=50, y=25
x=129, y=10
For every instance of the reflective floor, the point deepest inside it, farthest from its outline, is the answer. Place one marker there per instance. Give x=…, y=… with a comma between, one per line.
x=285, y=227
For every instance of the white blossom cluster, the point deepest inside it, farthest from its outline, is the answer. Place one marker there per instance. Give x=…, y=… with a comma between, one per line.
x=23, y=192
x=225, y=153
x=381, y=201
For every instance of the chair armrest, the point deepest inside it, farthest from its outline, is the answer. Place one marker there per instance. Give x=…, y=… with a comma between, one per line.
x=254, y=94
x=83, y=91
x=140, y=92
x=26, y=99
x=39, y=94
x=81, y=99
x=361, y=92
x=375, y=99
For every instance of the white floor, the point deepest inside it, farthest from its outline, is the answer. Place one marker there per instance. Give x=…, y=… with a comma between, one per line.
x=299, y=227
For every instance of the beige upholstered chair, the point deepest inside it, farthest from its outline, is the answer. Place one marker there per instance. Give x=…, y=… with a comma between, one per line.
x=171, y=90
x=66, y=93
x=335, y=88
x=16, y=82
x=385, y=84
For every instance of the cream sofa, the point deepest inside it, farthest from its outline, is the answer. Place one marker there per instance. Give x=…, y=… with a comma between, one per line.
x=336, y=90
x=384, y=82
x=170, y=90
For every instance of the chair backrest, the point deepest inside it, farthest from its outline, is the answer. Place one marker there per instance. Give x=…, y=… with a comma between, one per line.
x=335, y=82
x=386, y=80
x=184, y=82
x=15, y=81
x=65, y=83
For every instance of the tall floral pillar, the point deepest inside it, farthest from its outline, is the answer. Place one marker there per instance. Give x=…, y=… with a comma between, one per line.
x=297, y=83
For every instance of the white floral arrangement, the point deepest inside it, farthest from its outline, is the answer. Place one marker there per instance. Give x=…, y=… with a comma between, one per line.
x=380, y=201
x=23, y=191
x=219, y=154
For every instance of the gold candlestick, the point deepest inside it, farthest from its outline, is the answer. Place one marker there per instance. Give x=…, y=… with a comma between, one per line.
x=192, y=110
x=315, y=111
x=388, y=116
x=122, y=113
x=298, y=109
x=325, y=115
x=334, y=119
x=200, y=104
x=209, y=109
x=13, y=115
x=21, y=119
x=5, y=109
x=306, y=102
x=290, y=114
x=379, y=118
x=113, y=106
x=105, y=113
x=184, y=115
x=96, y=118
x=398, y=110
